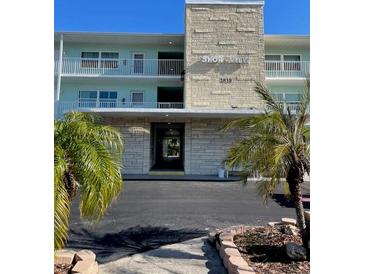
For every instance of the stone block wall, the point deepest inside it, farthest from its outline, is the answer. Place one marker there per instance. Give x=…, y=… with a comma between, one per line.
x=136, y=151
x=209, y=145
x=205, y=145
x=228, y=31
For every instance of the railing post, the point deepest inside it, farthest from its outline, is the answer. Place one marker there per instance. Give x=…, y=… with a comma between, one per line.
x=60, y=63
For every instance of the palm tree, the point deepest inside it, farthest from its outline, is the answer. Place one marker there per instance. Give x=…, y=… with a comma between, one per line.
x=87, y=161
x=276, y=146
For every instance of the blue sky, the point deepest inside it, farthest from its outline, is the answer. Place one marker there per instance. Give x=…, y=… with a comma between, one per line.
x=164, y=16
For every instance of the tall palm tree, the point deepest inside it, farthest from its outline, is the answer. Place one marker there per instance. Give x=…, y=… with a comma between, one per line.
x=276, y=146
x=87, y=161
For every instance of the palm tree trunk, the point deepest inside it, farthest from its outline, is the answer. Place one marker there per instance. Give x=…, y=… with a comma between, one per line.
x=299, y=209
x=295, y=180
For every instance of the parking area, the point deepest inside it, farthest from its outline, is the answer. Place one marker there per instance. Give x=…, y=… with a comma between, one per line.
x=149, y=214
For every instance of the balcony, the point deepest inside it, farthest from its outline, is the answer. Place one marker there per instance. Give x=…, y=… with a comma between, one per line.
x=121, y=67
x=287, y=69
x=106, y=105
x=293, y=107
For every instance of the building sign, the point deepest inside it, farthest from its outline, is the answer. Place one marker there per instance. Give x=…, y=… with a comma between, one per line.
x=224, y=60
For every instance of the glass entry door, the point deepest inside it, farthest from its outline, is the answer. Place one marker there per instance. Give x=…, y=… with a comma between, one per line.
x=167, y=146
x=171, y=145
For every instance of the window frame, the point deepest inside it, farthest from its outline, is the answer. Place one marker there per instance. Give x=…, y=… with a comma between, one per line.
x=85, y=62
x=292, y=65
x=98, y=100
x=137, y=103
x=113, y=61
x=284, y=94
x=100, y=60
x=283, y=65
x=88, y=102
x=274, y=65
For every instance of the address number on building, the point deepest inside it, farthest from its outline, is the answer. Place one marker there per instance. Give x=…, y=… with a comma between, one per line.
x=225, y=80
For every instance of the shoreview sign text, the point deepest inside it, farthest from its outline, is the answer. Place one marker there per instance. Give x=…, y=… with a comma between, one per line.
x=224, y=60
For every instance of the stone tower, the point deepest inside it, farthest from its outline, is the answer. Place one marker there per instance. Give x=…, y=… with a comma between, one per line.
x=224, y=53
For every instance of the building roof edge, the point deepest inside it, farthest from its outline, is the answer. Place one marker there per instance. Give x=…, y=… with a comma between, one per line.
x=226, y=2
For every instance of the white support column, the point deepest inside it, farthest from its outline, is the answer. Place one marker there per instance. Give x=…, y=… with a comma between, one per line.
x=60, y=63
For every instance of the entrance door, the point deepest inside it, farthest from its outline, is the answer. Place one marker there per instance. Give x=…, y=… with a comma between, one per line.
x=168, y=146
x=138, y=63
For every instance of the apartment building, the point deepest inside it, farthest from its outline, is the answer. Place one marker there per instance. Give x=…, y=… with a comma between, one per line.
x=170, y=94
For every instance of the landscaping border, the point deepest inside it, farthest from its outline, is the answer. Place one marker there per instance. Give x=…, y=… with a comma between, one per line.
x=228, y=251
x=83, y=261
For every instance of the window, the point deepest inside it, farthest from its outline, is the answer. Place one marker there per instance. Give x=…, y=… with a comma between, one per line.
x=89, y=59
x=292, y=62
x=292, y=97
x=274, y=62
x=279, y=96
x=137, y=98
x=88, y=99
x=99, y=59
x=287, y=97
x=102, y=99
x=272, y=57
x=109, y=60
x=138, y=63
x=108, y=99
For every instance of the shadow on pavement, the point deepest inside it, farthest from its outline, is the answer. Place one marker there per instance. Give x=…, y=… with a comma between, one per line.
x=283, y=201
x=177, y=254
x=112, y=246
x=214, y=263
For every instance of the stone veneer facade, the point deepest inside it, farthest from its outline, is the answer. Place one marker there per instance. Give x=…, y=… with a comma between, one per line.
x=229, y=31
x=205, y=145
x=211, y=30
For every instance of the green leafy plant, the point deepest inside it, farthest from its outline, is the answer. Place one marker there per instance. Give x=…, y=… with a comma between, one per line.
x=276, y=146
x=87, y=161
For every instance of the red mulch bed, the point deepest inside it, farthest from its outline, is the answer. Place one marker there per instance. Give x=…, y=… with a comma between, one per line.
x=62, y=268
x=264, y=250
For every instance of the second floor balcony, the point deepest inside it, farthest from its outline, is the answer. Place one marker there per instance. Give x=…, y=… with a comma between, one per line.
x=111, y=105
x=287, y=69
x=120, y=67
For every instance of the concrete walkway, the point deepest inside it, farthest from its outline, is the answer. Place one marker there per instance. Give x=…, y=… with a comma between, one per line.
x=195, y=256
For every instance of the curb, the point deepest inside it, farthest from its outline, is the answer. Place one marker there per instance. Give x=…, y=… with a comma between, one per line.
x=228, y=251
x=83, y=261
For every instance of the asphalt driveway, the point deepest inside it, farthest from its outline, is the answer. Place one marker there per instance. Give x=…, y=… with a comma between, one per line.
x=149, y=214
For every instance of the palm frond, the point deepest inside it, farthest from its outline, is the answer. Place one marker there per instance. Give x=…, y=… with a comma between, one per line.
x=271, y=143
x=93, y=154
x=61, y=200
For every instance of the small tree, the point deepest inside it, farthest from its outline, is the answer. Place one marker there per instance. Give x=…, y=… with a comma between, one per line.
x=87, y=160
x=276, y=146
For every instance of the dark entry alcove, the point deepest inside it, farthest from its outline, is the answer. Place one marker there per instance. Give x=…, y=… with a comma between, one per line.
x=170, y=63
x=170, y=94
x=167, y=143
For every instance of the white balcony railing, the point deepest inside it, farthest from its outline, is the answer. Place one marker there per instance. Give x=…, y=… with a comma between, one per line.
x=292, y=106
x=287, y=69
x=105, y=104
x=56, y=64
x=121, y=67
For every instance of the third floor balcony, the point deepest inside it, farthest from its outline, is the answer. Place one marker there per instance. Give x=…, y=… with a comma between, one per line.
x=164, y=68
x=167, y=68
x=287, y=69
